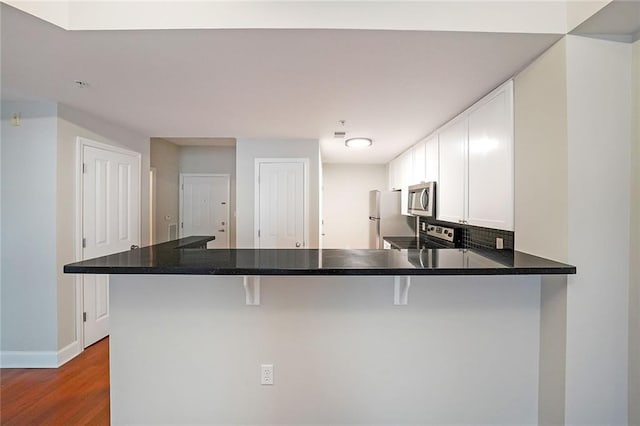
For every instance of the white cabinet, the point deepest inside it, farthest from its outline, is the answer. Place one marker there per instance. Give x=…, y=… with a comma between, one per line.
x=450, y=190
x=406, y=179
x=401, y=176
x=392, y=171
x=476, y=164
x=419, y=163
x=432, y=161
x=471, y=159
x=425, y=161
x=490, y=162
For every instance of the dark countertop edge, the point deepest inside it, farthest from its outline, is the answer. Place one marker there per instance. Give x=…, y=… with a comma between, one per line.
x=138, y=270
x=187, y=242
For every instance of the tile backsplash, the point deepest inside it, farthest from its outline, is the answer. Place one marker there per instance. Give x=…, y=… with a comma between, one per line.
x=476, y=236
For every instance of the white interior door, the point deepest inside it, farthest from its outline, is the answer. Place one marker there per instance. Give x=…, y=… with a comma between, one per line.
x=110, y=224
x=204, y=207
x=281, y=204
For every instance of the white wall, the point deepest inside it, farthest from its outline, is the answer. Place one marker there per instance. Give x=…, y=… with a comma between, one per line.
x=541, y=208
x=214, y=159
x=71, y=124
x=634, y=278
x=346, y=203
x=464, y=351
x=573, y=149
x=599, y=135
x=165, y=157
x=541, y=191
x=29, y=313
x=247, y=150
x=38, y=227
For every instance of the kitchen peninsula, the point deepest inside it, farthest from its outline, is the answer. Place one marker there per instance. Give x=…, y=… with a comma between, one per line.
x=354, y=336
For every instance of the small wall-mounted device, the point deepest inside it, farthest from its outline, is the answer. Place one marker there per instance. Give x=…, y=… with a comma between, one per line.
x=15, y=119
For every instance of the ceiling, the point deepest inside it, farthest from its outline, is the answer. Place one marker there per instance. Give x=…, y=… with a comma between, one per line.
x=392, y=86
x=619, y=20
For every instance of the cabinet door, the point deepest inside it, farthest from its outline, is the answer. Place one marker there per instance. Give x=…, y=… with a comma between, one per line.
x=451, y=185
x=406, y=175
x=431, y=160
x=490, y=163
x=419, y=164
x=391, y=172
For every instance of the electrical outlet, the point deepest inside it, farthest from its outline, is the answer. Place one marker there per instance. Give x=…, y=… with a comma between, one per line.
x=266, y=374
x=499, y=243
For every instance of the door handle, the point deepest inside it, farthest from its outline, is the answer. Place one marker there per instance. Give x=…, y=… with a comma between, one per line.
x=220, y=230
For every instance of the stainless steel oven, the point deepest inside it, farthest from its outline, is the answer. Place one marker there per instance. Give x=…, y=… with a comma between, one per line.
x=422, y=199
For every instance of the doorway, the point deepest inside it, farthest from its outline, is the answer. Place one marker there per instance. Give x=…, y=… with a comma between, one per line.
x=109, y=222
x=204, y=207
x=281, y=212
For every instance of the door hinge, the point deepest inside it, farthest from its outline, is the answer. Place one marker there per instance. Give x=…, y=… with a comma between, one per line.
x=84, y=243
x=258, y=233
x=84, y=167
x=182, y=225
x=84, y=317
x=258, y=179
x=183, y=186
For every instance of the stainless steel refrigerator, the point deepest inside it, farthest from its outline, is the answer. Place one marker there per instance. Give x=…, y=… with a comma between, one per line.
x=385, y=219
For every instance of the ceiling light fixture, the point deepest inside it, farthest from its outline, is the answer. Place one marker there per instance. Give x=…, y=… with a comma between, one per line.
x=358, y=142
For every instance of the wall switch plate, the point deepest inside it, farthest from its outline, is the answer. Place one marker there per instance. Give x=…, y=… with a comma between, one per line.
x=266, y=374
x=499, y=243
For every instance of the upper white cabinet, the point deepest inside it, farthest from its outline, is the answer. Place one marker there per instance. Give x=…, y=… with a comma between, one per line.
x=471, y=159
x=450, y=190
x=476, y=164
x=419, y=163
x=393, y=169
x=432, y=161
x=401, y=176
x=490, y=161
x=406, y=179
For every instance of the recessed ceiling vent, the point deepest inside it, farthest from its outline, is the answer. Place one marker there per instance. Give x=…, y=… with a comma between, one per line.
x=339, y=134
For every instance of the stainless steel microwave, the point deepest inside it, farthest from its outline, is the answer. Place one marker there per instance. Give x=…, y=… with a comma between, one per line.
x=422, y=199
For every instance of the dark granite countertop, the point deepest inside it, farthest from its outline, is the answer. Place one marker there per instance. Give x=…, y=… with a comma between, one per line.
x=180, y=257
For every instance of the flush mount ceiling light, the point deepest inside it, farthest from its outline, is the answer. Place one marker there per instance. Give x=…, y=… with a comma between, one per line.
x=358, y=142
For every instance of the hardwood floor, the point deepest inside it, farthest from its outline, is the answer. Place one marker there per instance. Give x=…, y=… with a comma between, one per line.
x=75, y=394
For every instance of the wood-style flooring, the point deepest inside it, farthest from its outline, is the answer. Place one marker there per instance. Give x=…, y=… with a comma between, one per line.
x=75, y=394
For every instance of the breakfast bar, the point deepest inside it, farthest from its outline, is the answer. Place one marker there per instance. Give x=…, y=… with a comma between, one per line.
x=352, y=336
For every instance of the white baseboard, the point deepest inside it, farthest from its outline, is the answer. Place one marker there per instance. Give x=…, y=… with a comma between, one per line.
x=69, y=352
x=39, y=359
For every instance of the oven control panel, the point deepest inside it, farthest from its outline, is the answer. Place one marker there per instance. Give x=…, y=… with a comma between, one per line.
x=441, y=232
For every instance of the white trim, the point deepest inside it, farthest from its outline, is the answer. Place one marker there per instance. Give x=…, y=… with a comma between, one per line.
x=81, y=142
x=256, y=197
x=153, y=194
x=29, y=359
x=181, y=200
x=40, y=359
x=69, y=352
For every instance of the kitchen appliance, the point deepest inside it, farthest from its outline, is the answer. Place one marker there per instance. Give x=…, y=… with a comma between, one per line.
x=438, y=237
x=422, y=199
x=385, y=218
x=442, y=237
